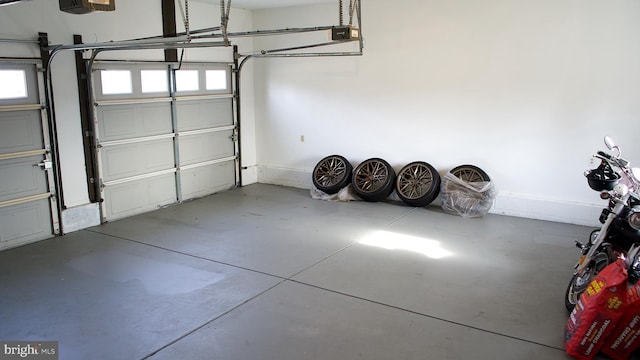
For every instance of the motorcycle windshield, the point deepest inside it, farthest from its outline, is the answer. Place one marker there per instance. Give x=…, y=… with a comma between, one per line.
x=633, y=182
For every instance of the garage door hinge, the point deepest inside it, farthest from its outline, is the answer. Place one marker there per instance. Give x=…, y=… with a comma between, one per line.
x=233, y=137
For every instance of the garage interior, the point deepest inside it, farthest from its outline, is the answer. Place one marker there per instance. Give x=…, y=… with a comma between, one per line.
x=156, y=160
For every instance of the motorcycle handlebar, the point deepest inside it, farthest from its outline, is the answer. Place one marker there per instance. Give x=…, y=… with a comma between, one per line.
x=604, y=155
x=616, y=161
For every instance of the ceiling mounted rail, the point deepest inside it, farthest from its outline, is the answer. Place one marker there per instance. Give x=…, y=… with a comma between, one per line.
x=202, y=36
x=185, y=17
x=20, y=41
x=224, y=19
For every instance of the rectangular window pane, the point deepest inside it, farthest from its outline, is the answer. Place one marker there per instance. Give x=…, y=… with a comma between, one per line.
x=187, y=80
x=13, y=84
x=116, y=82
x=216, y=79
x=154, y=81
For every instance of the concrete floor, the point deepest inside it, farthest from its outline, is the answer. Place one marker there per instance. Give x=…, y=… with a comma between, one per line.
x=265, y=272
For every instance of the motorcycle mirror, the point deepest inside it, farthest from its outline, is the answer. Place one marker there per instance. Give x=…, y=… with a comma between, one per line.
x=611, y=145
x=609, y=142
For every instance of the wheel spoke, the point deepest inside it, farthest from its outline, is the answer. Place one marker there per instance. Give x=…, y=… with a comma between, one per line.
x=371, y=176
x=330, y=172
x=415, y=181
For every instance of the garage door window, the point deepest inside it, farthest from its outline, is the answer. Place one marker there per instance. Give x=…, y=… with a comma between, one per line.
x=116, y=82
x=14, y=84
x=216, y=79
x=187, y=80
x=154, y=81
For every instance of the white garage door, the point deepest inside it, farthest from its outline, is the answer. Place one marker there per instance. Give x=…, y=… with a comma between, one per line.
x=164, y=135
x=27, y=201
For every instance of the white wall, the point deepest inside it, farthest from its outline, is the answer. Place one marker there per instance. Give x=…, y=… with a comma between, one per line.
x=132, y=19
x=524, y=89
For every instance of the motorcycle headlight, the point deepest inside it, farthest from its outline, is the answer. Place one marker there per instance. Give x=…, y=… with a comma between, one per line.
x=621, y=190
x=634, y=218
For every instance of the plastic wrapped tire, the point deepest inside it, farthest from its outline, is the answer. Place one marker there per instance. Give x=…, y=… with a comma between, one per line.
x=373, y=180
x=418, y=184
x=332, y=173
x=467, y=191
x=470, y=173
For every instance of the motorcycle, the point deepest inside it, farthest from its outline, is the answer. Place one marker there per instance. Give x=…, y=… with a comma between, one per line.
x=619, y=236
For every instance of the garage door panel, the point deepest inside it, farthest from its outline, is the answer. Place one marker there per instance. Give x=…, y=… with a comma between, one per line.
x=205, y=180
x=120, y=122
x=27, y=210
x=25, y=223
x=122, y=161
x=20, y=131
x=138, y=196
x=206, y=147
x=159, y=148
x=19, y=178
x=202, y=114
x=156, y=118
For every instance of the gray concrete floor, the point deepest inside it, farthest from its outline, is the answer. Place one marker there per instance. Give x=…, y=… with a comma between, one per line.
x=265, y=272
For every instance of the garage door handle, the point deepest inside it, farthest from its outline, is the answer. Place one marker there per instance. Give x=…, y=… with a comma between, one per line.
x=45, y=165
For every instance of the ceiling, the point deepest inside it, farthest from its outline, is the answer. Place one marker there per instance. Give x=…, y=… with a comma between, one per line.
x=267, y=4
x=244, y=4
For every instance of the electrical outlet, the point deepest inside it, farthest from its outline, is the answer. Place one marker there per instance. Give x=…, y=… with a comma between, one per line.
x=301, y=138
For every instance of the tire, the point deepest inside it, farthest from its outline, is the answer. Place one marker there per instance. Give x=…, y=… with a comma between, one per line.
x=332, y=173
x=470, y=173
x=418, y=184
x=466, y=173
x=579, y=282
x=373, y=180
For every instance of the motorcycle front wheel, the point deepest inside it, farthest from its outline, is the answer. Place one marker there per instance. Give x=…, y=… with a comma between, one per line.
x=579, y=282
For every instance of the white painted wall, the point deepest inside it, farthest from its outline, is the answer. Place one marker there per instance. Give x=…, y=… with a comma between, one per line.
x=132, y=19
x=524, y=89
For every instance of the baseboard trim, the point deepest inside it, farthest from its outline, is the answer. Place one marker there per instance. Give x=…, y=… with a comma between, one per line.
x=547, y=209
x=249, y=175
x=285, y=177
